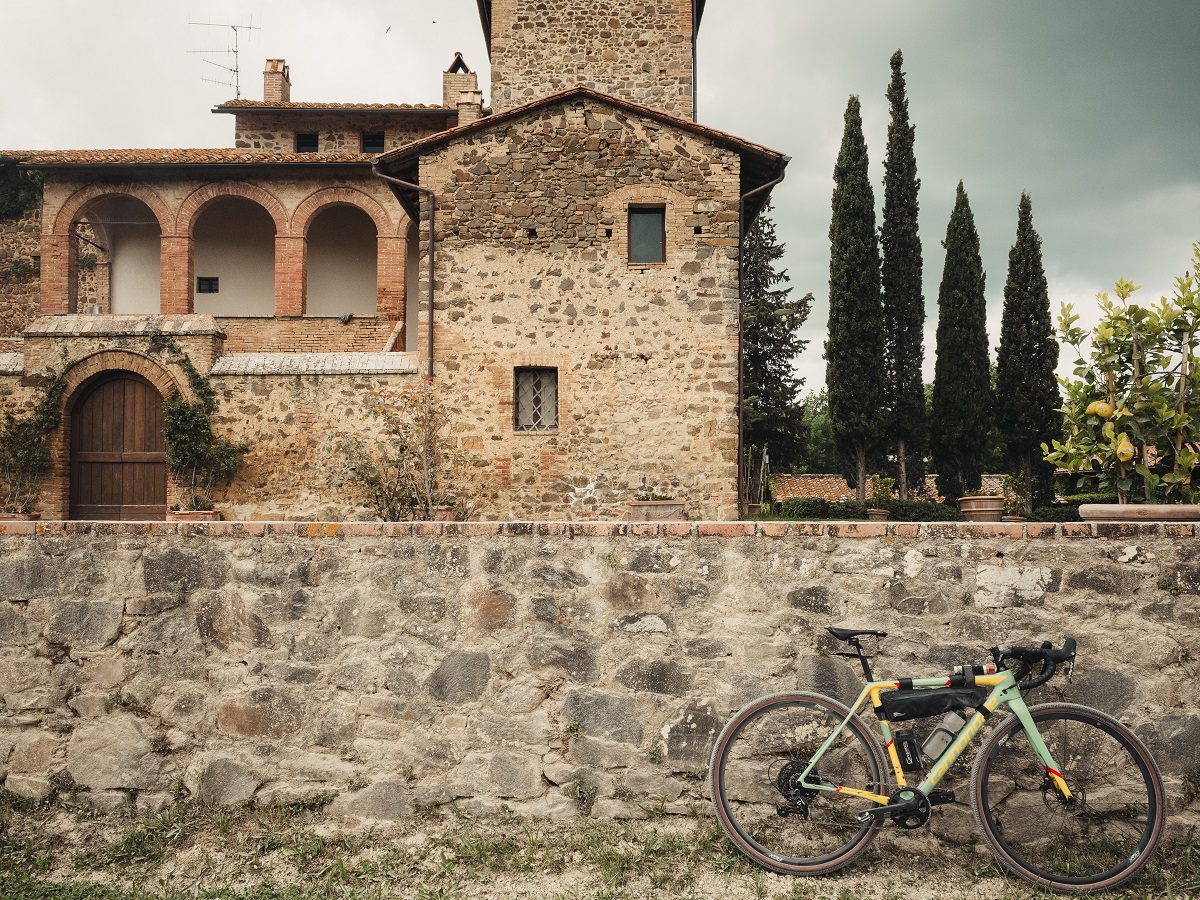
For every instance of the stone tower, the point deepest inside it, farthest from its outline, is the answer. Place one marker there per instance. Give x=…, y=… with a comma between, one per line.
x=640, y=50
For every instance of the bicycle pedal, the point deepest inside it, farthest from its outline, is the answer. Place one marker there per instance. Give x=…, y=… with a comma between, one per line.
x=939, y=798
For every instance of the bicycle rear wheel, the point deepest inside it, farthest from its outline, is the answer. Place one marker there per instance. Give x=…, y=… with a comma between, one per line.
x=754, y=777
x=1096, y=841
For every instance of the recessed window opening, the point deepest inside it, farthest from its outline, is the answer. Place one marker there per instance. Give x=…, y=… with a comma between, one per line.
x=647, y=234
x=699, y=230
x=608, y=232
x=536, y=398
x=532, y=232
x=372, y=142
x=306, y=142
x=208, y=285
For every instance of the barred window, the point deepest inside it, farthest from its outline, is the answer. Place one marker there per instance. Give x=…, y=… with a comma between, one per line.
x=536, y=399
x=208, y=285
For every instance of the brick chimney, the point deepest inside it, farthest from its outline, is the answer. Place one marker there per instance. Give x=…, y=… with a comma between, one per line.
x=470, y=106
x=277, y=82
x=455, y=80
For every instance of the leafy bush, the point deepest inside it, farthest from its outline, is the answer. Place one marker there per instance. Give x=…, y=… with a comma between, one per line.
x=847, y=509
x=804, y=508
x=1090, y=498
x=25, y=446
x=19, y=191
x=923, y=511
x=1059, y=512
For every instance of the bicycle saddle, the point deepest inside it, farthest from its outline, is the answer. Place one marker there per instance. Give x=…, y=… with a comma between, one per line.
x=844, y=634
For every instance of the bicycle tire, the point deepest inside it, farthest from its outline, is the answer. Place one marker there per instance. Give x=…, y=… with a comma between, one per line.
x=746, y=773
x=1098, y=841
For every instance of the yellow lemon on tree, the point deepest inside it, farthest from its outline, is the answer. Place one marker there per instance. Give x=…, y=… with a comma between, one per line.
x=1124, y=449
x=1101, y=408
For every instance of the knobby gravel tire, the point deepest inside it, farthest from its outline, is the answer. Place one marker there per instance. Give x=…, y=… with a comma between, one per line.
x=747, y=778
x=1100, y=840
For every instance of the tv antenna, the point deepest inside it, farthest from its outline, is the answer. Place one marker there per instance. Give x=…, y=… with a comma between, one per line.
x=233, y=77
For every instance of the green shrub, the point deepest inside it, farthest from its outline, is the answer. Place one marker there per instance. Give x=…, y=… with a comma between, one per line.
x=1059, y=512
x=804, y=508
x=922, y=511
x=847, y=509
x=1090, y=498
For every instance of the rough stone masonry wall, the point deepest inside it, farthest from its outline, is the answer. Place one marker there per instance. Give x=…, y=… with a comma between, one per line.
x=336, y=133
x=636, y=50
x=19, y=240
x=554, y=669
x=533, y=270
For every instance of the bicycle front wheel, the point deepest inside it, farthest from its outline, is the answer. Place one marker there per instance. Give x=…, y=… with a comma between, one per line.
x=1097, y=840
x=756, y=788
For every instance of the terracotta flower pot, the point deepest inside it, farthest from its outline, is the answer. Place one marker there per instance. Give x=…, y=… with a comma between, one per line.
x=977, y=508
x=19, y=517
x=877, y=515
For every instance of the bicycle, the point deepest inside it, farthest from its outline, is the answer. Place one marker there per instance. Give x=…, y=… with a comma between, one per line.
x=1065, y=796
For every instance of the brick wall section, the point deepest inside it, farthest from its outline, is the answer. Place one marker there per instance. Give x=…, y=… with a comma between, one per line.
x=286, y=661
x=633, y=49
x=337, y=132
x=19, y=296
x=304, y=335
x=528, y=275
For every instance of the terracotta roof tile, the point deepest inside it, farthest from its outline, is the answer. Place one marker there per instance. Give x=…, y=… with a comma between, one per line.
x=220, y=156
x=236, y=105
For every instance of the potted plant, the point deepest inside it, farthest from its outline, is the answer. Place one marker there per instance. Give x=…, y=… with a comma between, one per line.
x=985, y=506
x=1132, y=415
x=411, y=468
x=651, y=505
x=197, y=458
x=25, y=449
x=881, y=496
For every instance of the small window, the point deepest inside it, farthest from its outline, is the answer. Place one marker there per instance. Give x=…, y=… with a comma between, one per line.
x=372, y=142
x=536, y=399
x=208, y=285
x=647, y=234
x=306, y=142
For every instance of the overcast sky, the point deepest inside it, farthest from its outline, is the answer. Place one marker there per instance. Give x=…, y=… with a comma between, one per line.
x=1090, y=105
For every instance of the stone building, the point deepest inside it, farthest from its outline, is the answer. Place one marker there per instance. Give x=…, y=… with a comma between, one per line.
x=565, y=261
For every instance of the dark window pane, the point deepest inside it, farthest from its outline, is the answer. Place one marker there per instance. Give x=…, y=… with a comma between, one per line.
x=536, y=399
x=306, y=142
x=372, y=142
x=208, y=285
x=647, y=230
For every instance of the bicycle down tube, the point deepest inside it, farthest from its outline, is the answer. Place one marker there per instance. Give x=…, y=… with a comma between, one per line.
x=1004, y=691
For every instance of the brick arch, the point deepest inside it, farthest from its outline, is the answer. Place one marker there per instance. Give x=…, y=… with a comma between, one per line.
x=320, y=200
x=94, y=191
x=679, y=205
x=191, y=207
x=102, y=361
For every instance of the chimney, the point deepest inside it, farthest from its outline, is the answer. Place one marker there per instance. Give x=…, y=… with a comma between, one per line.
x=455, y=80
x=470, y=106
x=277, y=82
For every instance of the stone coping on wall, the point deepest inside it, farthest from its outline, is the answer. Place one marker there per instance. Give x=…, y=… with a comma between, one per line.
x=117, y=325
x=952, y=531
x=12, y=363
x=316, y=364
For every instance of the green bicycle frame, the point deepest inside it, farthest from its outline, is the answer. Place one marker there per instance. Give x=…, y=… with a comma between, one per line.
x=1004, y=690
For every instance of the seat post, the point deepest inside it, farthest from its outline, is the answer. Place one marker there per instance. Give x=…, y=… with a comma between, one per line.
x=862, y=658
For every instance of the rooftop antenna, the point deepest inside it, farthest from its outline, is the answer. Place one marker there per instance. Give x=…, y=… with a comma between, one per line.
x=234, y=79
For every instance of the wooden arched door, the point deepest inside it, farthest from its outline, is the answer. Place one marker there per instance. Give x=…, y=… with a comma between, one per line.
x=118, y=461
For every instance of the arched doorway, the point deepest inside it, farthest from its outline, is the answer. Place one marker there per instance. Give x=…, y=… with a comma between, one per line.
x=118, y=460
x=342, y=262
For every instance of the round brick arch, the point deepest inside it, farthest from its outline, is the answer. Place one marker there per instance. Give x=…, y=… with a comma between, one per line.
x=84, y=370
x=320, y=200
x=197, y=200
x=88, y=194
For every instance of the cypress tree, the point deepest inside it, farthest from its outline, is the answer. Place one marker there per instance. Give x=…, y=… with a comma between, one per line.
x=1026, y=388
x=962, y=390
x=854, y=348
x=903, y=302
x=774, y=416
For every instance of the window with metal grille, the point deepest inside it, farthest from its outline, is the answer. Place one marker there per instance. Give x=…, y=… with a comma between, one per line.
x=372, y=142
x=208, y=285
x=647, y=234
x=306, y=142
x=536, y=406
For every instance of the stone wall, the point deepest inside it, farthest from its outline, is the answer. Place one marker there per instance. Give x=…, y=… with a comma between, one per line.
x=636, y=50
x=336, y=133
x=533, y=270
x=527, y=666
x=18, y=275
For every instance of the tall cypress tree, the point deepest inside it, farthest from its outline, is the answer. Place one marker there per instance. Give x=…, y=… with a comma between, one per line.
x=774, y=415
x=854, y=348
x=903, y=302
x=962, y=390
x=1026, y=388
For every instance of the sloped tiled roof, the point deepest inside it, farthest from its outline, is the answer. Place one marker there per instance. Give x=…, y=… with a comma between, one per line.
x=219, y=156
x=234, y=106
x=834, y=487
